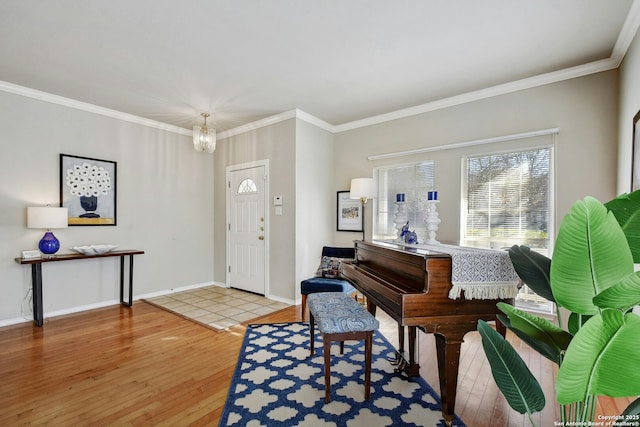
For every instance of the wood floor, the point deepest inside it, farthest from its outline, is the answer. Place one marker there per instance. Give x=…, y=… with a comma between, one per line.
x=144, y=366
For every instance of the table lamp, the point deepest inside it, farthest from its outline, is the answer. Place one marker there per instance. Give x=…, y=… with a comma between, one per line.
x=47, y=217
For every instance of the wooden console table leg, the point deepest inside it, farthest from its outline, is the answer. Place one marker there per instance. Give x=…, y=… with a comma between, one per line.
x=122, y=301
x=130, y=280
x=36, y=287
x=122, y=279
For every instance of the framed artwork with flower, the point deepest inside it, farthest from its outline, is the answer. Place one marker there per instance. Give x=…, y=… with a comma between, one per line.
x=88, y=190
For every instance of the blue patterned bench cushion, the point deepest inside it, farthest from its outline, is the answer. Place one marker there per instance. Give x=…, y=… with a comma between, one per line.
x=335, y=312
x=325, y=284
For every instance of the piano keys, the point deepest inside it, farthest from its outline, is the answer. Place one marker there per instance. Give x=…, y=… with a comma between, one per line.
x=413, y=285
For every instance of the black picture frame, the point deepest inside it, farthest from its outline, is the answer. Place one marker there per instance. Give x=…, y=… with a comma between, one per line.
x=635, y=157
x=88, y=190
x=348, y=213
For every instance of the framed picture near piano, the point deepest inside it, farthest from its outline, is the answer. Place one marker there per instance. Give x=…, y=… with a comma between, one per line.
x=349, y=213
x=635, y=159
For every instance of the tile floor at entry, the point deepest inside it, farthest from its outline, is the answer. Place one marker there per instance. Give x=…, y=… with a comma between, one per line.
x=217, y=307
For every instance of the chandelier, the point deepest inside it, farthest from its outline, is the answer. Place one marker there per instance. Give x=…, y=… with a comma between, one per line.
x=204, y=138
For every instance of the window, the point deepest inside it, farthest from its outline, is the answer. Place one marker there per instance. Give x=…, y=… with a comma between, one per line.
x=506, y=200
x=412, y=180
x=247, y=185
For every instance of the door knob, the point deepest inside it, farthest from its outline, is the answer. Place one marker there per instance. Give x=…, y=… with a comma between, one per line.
x=260, y=237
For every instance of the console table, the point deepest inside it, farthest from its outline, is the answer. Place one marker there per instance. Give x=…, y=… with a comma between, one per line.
x=36, y=276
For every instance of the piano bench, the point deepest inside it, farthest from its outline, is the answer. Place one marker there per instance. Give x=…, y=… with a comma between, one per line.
x=341, y=318
x=323, y=284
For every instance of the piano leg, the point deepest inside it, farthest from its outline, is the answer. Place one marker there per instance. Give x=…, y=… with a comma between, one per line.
x=502, y=330
x=448, y=352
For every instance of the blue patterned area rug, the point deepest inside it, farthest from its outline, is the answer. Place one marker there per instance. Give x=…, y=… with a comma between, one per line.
x=277, y=383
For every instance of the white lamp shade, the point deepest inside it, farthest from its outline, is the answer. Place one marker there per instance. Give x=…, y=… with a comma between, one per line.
x=47, y=217
x=362, y=188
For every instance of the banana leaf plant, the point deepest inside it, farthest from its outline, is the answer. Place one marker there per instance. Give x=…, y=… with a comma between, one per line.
x=591, y=274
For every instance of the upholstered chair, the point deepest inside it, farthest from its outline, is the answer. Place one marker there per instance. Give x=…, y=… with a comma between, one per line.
x=327, y=278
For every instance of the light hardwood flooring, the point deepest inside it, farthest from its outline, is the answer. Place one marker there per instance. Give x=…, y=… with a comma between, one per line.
x=147, y=367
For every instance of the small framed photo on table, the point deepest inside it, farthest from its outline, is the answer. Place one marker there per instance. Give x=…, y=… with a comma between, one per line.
x=349, y=213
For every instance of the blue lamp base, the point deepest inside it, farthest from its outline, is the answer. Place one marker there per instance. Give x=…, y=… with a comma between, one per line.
x=49, y=244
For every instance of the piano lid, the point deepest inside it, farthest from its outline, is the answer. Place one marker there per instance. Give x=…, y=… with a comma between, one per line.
x=411, y=248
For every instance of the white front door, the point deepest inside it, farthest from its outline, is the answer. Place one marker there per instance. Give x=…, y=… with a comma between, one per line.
x=247, y=228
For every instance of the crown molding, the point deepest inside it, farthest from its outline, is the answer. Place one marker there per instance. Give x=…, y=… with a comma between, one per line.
x=531, y=82
x=90, y=108
x=503, y=89
x=267, y=121
x=277, y=118
x=528, y=83
x=627, y=34
x=625, y=38
x=315, y=121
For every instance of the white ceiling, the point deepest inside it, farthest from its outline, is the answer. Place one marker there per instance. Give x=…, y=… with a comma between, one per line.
x=341, y=61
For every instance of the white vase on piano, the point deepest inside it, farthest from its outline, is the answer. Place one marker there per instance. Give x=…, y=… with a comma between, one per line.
x=432, y=221
x=400, y=218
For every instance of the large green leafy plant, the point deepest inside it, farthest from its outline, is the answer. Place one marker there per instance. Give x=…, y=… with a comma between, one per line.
x=591, y=274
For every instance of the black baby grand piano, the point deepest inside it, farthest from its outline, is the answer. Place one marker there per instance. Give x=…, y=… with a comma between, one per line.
x=412, y=285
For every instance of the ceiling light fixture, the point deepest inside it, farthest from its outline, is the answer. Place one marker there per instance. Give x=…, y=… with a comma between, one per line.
x=204, y=138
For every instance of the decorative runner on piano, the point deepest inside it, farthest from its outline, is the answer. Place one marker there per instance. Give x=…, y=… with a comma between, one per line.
x=480, y=273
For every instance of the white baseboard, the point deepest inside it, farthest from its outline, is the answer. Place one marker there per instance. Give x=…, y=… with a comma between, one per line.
x=77, y=309
x=55, y=313
x=180, y=289
x=283, y=300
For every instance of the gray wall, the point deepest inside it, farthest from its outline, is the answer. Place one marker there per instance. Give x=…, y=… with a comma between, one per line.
x=315, y=198
x=277, y=144
x=585, y=110
x=164, y=205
